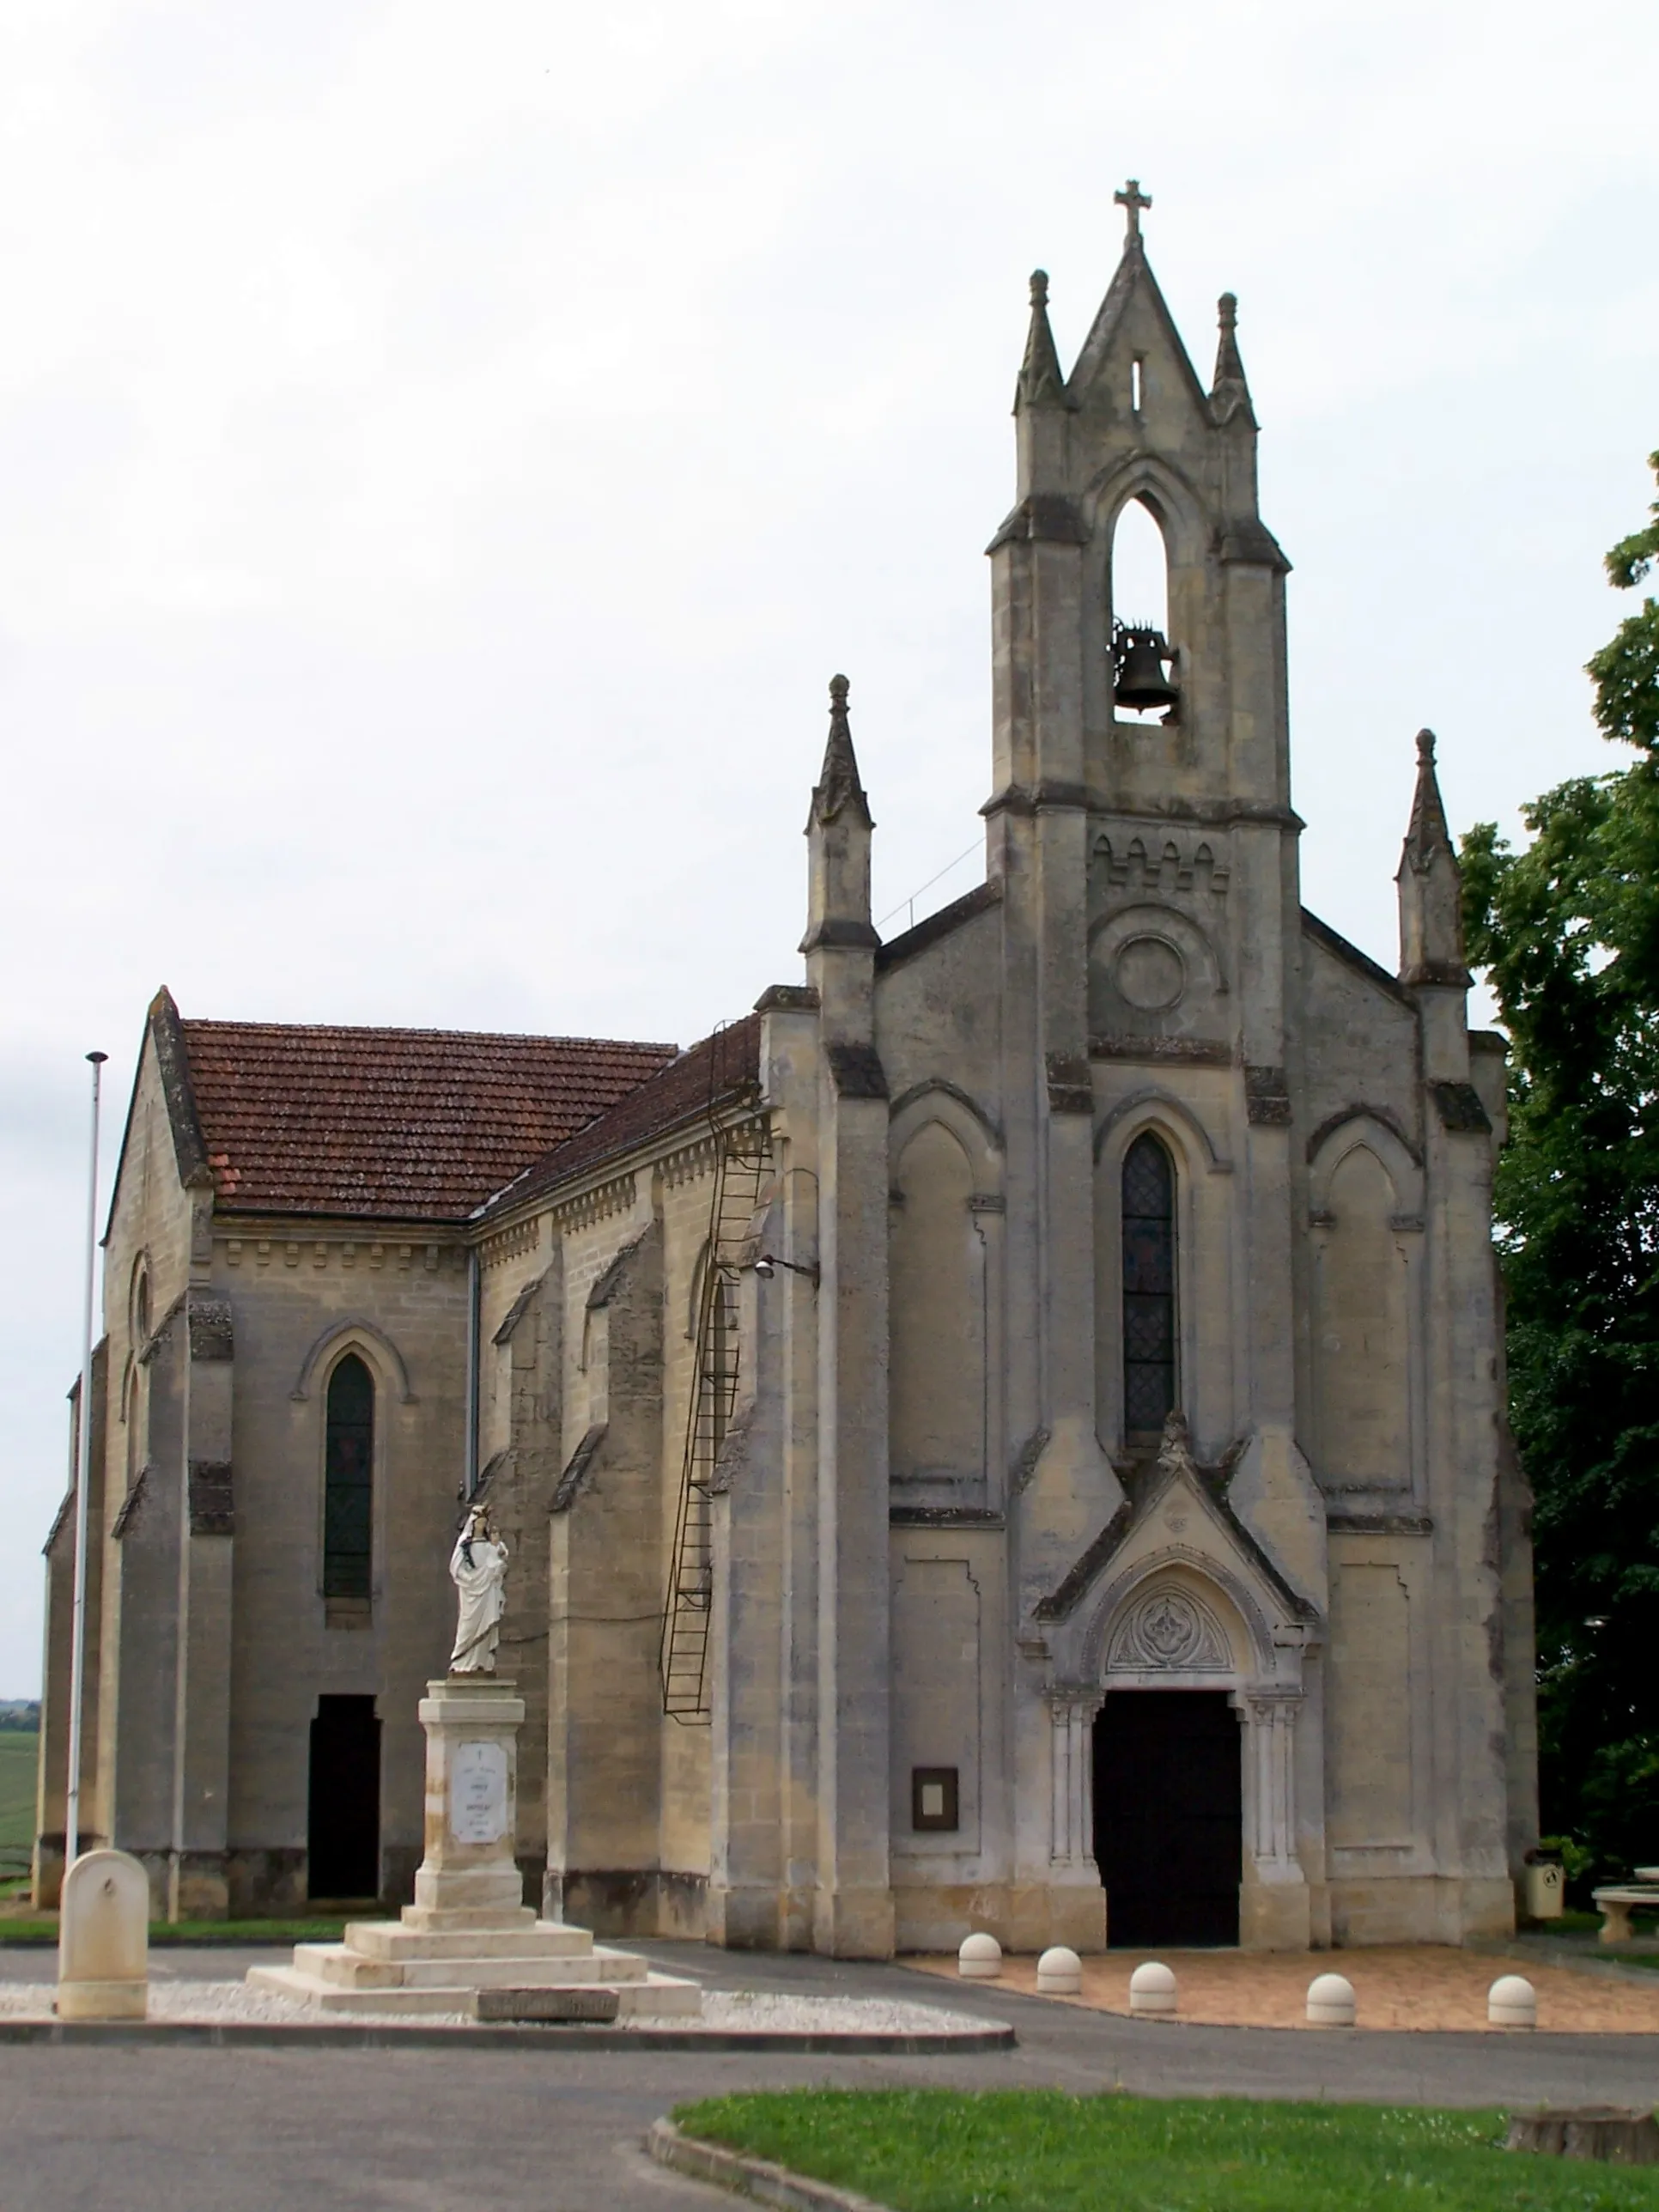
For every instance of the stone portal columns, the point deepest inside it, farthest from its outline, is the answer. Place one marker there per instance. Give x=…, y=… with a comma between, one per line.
x=1076, y=1903
x=1274, y=1905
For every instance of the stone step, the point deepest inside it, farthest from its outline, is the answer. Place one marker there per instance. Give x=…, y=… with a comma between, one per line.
x=438, y=1919
x=545, y=1939
x=658, y=1996
x=341, y=1967
x=597, y=1968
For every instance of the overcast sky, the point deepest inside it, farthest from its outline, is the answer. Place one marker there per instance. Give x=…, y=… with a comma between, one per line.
x=444, y=451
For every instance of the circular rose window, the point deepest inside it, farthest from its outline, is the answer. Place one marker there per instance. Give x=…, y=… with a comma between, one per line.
x=1149, y=974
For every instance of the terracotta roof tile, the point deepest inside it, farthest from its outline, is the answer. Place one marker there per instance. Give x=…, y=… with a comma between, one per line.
x=400, y=1124
x=719, y=1071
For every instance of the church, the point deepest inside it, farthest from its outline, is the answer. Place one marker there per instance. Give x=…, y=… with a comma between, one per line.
x=1007, y=1434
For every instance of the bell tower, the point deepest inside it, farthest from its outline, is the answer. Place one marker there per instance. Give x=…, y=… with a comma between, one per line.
x=1140, y=831
x=1077, y=671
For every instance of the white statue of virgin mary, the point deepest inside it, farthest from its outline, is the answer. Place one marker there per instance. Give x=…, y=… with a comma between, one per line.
x=478, y=1567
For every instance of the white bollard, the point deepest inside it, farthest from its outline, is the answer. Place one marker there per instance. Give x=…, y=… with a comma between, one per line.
x=1512, y=2002
x=103, y=1938
x=980, y=1958
x=1152, y=1992
x=1330, y=2001
x=1060, y=1973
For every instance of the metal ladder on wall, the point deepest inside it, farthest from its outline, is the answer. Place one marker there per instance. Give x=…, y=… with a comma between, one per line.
x=743, y=1160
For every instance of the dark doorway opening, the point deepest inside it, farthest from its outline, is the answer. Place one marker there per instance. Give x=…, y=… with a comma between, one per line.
x=343, y=1839
x=1169, y=1815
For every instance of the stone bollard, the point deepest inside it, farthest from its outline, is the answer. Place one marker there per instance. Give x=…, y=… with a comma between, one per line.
x=1152, y=1992
x=1060, y=1973
x=1330, y=2001
x=980, y=1958
x=1512, y=2002
x=103, y=1938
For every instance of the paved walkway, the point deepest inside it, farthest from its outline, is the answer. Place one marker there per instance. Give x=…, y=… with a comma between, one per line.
x=1421, y=1986
x=153, y=2130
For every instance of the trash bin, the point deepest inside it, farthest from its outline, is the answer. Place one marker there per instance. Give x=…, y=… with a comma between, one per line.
x=1544, y=1887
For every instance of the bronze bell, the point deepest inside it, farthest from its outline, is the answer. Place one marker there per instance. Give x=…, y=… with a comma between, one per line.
x=1139, y=654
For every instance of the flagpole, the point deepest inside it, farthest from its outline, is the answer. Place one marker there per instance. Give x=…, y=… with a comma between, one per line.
x=82, y=1489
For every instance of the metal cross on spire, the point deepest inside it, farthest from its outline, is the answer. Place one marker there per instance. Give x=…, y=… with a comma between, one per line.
x=1132, y=199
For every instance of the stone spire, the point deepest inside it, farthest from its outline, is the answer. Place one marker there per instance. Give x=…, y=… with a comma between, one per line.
x=1040, y=383
x=1229, y=394
x=1430, y=887
x=838, y=787
x=841, y=940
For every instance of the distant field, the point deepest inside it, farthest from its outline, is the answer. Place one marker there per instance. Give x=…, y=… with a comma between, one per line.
x=17, y=1756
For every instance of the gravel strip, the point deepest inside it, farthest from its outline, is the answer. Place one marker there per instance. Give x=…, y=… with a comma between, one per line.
x=724, y=2011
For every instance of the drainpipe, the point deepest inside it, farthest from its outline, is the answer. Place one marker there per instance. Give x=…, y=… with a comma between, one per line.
x=82, y=1493
x=474, y=1306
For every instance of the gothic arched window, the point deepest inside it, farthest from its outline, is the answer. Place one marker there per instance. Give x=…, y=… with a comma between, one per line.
x=1149, y=1283
x=347, y=1480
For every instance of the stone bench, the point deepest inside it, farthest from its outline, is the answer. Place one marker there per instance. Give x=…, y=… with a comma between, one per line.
x=1616, y=1903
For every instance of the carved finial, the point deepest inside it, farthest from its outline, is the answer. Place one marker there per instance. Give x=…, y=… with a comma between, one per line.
x=1132, y=199
x=1427, y=836
x=1229, y=394
x=838, y=786
x=1431, y=949
x=1040, y=380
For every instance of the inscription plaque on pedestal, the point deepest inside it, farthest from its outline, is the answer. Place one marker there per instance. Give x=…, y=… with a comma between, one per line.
x=477, y=1793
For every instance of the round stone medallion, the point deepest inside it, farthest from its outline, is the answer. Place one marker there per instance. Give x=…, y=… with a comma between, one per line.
x=1149, y=974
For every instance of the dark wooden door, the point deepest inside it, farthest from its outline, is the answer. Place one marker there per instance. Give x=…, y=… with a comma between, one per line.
x=1169, y=1816
x=343, y=1843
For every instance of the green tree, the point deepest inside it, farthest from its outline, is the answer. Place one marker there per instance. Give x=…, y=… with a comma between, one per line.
x=1567, y=930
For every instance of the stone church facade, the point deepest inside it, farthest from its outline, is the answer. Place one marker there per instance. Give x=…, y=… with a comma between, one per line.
x=1008, y=1434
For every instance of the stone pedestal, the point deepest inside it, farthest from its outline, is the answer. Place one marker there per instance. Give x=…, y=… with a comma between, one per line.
x=469, y=1929
x=471, y=1723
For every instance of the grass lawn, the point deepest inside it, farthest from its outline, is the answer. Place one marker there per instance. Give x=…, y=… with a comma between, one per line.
x=18, y=1747
x=33, y=1927
x=1038, y=2150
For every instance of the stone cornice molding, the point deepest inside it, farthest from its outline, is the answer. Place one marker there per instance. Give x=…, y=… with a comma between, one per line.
x=509, y=1243
x=319, y=1253
x=615, y=1196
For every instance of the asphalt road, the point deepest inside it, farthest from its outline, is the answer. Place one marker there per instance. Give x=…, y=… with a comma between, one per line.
x=151, y=2128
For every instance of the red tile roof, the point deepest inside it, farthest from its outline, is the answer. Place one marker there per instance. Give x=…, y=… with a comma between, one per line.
x=399, y=1124
x=719, y=1071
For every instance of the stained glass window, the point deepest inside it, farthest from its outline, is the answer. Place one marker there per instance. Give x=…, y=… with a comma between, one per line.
x=1149, y=1349
x=347, y=1480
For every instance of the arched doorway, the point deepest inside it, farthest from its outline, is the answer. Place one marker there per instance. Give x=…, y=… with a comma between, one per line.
x=343, y=1842
x=1169, y=1816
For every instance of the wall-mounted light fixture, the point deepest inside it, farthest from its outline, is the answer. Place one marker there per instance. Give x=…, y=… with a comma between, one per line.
x=768, y=1264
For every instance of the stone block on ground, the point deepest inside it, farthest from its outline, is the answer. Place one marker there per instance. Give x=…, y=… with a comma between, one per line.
x=1331, y=2002
x=1152, y=1992
x=548, y=2004
x=103, y=1941
x=980, y=1958
x=1588, y=2131
x=1059, y=1972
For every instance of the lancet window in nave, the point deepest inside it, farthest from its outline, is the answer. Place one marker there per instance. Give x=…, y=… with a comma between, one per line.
x=347, y=1480
x=1149, y=1286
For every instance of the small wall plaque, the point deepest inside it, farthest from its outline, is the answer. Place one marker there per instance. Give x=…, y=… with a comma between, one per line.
x=933, y=1798
x=477, y=1793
